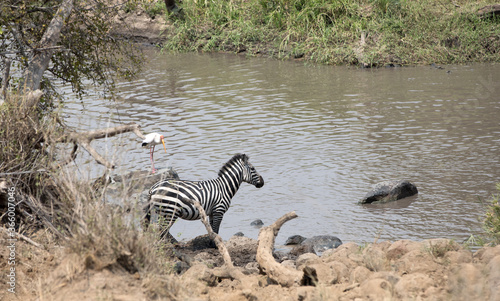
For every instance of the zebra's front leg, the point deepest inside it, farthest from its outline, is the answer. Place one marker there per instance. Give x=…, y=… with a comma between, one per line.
x=215, y=220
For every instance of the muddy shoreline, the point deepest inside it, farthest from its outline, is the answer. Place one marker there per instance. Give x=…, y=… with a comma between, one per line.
x=435, y=269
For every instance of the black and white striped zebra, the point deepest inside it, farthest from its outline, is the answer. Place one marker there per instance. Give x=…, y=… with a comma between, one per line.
x=167, y=198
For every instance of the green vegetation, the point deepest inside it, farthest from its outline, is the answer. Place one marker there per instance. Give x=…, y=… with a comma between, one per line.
x=368, y=32
x=81, y=51
x=491, y=222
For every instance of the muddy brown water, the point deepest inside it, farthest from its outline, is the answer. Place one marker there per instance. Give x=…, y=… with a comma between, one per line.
x=320, y=136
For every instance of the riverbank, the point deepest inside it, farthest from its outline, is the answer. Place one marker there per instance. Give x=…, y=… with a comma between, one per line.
x=437, y=269
x=362, y=33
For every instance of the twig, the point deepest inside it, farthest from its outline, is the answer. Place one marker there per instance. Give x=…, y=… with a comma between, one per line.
x=284, y=276
x=6, y=77
x=21, y=172
x=99, y=159
x=22, y=237
x=35, y=50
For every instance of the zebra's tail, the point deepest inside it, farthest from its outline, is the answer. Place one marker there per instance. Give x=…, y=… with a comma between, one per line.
x=146, y=220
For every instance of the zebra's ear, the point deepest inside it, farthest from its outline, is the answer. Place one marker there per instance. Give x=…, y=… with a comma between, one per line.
x=244, y=157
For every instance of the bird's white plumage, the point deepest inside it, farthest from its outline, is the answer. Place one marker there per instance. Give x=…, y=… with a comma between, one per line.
x=150, y=140
x=154, y=138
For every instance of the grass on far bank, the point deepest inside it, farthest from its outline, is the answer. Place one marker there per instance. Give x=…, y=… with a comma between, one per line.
x=367, y=32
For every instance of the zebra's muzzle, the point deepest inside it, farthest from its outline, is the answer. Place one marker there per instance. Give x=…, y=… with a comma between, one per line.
x=260, y=183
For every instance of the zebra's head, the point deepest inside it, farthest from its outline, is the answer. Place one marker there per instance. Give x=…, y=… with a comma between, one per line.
x=250, y=175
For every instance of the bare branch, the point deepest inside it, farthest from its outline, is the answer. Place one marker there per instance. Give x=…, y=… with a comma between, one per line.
x=100, y=159
x=84, y=138
x=214, y=236
x=36, y=209
x=21, y=172
x=102, y=133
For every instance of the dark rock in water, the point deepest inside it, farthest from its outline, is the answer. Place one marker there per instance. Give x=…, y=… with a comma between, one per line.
x=316, y=244
x=295, y=240
x=239, y=234
x=322, y=243
x=135, y=185
x=390, y=191
x=257, y=223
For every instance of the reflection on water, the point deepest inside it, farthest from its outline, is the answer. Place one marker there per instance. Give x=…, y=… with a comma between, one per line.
x=321, y=136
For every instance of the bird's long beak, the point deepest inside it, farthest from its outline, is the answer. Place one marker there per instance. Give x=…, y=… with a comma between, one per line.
x=163, y=141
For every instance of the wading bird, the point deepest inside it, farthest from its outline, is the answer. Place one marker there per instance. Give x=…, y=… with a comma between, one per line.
x=151, y=140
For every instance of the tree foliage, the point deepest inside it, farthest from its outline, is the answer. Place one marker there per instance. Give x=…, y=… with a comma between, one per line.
x=85, y=50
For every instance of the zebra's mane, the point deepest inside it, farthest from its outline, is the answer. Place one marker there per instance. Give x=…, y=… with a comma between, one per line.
x=234, y=159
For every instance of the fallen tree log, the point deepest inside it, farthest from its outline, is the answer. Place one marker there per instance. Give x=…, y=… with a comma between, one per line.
x=282, y=275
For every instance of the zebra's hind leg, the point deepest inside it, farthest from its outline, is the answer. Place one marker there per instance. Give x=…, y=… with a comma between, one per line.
x=166, y=236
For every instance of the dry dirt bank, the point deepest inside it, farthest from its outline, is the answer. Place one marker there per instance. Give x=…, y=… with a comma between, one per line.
x=437, y=269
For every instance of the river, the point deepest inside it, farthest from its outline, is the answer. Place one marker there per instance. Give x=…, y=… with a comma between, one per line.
x=320, y=136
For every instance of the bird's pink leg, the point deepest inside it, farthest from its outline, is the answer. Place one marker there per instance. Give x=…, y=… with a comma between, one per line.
x=151, y=151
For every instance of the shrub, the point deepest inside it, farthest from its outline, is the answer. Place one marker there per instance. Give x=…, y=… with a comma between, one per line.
x=491, y=222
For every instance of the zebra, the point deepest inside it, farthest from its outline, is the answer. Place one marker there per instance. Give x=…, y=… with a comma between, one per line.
x=167, y=197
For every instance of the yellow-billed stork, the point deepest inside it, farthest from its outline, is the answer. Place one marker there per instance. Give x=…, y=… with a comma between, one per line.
x=151, y=140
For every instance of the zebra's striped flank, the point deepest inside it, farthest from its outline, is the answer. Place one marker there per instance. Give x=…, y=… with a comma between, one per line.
x=168, y=197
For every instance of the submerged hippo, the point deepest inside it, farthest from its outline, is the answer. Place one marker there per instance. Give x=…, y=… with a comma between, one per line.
x=390, y=191
x=317, y=244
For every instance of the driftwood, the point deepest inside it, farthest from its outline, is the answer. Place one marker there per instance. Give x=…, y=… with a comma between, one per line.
x=282, y=275
x=230, y=271
x=84, y=138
